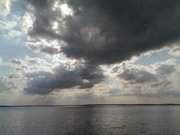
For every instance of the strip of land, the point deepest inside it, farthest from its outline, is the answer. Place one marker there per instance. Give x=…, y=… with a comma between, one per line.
x=90, y=105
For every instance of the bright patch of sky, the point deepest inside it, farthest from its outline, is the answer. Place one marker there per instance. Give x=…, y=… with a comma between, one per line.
x=12, y=36
x=5, y=70
x=155, y=57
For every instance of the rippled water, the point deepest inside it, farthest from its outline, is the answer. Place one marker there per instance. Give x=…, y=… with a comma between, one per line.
x=97, y=120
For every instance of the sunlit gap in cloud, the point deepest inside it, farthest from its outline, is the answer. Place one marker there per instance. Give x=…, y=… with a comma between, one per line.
x=63, y=7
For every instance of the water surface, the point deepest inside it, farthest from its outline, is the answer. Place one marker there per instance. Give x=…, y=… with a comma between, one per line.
x=90, y=120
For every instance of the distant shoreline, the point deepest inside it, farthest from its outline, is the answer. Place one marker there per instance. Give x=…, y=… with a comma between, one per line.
x=88, y=105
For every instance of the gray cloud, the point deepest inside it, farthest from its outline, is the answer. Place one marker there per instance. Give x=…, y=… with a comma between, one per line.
x=162, y=80
x=45, y=49
x=141, y=76
x=45, y=82
x=50, y=50
x=166, y=69
x=105, y=32
x=163, y=83
x=16, y=61
x=134, y=76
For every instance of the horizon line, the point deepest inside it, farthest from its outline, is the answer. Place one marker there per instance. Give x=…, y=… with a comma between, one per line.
x=88, y=105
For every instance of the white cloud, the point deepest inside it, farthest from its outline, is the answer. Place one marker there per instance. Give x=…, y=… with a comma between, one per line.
x=5, y=7
x=175, y=51
x=44, y=46
x=27, y=22
x=1, y=60
x=14, y=34
x=63, y=8
x=7, y=25
x=9, y=31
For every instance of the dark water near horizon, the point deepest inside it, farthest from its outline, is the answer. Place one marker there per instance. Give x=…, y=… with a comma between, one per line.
x=94, y=120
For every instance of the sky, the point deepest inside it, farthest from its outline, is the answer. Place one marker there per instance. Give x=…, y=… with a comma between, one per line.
x=89, y=52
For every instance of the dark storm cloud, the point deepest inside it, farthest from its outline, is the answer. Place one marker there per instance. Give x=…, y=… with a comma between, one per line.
x=39, y=3
x=105, y=32
x=44, y=16
x=45, y=82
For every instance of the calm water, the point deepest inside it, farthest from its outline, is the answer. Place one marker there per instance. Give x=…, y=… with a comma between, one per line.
x=99, y=120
